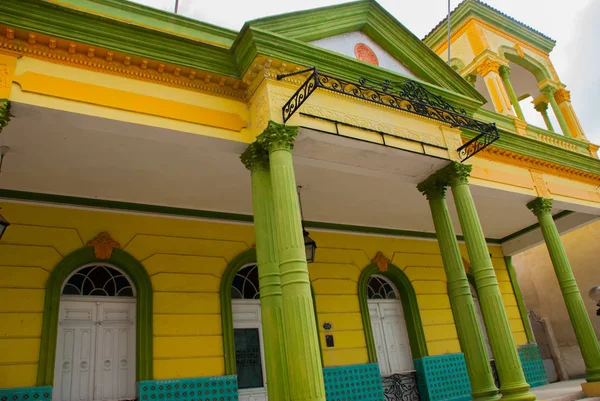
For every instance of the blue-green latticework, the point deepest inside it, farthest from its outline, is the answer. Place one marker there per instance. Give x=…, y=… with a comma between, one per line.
x=443, y=377
x=222, y=388
x=533, y=365
x=43, y=393
x=353, y=382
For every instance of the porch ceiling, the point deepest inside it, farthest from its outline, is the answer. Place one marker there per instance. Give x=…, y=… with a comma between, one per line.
x=344, y=181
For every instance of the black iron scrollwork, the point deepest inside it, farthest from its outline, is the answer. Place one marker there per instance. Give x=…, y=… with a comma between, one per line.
x=401, y=387
x=409, y=96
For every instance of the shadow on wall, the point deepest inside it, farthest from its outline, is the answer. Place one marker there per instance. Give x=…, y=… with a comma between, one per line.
x=542, y=294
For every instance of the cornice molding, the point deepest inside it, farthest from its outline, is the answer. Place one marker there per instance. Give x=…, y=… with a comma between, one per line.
x=476, y=9
x=153, y=18
x=98, y=31
x=516, y=159
x=99, y=59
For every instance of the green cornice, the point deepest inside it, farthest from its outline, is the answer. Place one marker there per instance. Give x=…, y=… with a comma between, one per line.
x=537, y=149
x=204, y=214
x=377, y=23
x=146, y=16
x=253, y=41
x=70, y=24
x=477, y=9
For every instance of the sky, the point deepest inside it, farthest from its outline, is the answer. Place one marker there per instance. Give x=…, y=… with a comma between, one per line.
x=573, y=24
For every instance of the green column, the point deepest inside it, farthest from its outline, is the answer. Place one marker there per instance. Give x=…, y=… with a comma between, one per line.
x=256, y=159
x=461, y=301
x=586, y=337
x=542, y=108
x=302, y=342
x=505, y=74
x=512, y=274
x=549, y=92
x=512, y=379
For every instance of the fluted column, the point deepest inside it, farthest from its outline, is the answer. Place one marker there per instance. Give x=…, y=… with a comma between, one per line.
x=461, y=301
x=256, y=159
x=542, y=108
x=302, y=343
x=512, y=379
x=586, y=337
x=549, y=92
x=504, y=71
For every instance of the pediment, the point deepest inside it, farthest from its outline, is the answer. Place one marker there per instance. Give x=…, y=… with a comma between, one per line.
x=340, y=28
x=360, y=46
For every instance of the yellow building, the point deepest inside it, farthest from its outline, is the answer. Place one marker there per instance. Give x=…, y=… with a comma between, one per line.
x=143, y=260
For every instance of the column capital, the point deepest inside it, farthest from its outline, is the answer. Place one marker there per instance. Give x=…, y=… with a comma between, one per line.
x=488, y=65
x=504, y=71
x=4, y=113
x=541, y=107
x=255, y=157
x=562, y=95
x=540, y=206
x=433, y=187
x=455, y=173
x=471, y=78
x=278, y=136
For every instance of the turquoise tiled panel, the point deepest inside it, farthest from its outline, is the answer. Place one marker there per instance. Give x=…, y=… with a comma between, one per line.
x=443, y=377
x=219, y=388
x=26, y=394
x=353, y=382
x=533, y=366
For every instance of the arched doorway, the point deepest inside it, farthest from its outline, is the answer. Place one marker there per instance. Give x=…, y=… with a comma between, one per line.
x=96, y=338
x=390, y=335
x=247, y=334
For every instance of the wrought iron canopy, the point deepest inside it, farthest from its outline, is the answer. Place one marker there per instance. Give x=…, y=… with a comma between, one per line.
x=409, y=96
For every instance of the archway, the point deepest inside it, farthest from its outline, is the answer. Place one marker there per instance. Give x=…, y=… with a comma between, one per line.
x=410, y=308
x=122, y=263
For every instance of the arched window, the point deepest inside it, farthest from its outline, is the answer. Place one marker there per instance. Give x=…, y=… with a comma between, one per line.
x=379, y=287
x=245, y=283
x=98, y=280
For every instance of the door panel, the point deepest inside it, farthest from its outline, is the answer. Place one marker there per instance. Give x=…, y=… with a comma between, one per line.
x=115, y=364
x=247, y=331
x=95, y=355
x=390, y=336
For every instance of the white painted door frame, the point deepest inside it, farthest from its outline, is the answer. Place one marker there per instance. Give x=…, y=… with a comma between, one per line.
x=246, y=315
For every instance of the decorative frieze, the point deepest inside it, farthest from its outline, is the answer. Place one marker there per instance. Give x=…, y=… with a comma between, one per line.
x=61, y=51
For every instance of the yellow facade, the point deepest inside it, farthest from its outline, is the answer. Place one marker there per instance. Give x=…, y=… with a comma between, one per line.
x=185, y=259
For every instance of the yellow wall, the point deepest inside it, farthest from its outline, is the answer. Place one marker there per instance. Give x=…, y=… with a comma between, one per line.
x=185, y=260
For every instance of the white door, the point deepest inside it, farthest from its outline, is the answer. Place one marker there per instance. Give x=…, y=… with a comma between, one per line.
x=390, y=336
x=95, y=351
x=249, y=351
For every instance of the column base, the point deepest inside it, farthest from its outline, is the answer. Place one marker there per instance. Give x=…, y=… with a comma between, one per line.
x=591, y=389
x=486, y=395
x=520, y=393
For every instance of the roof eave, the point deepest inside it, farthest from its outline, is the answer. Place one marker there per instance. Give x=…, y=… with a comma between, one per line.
x=475, y=9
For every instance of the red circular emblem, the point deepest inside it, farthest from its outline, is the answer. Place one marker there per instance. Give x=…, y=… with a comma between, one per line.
x=364, y=53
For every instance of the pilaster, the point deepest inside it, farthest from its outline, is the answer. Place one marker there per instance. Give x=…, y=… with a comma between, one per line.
x=302, y=343
x=489, y=69
x=584, y=332
x=461, y=301
x=8, y=64
x=512, y=379
x=504, y=71
x=256, y=159
x=563, y=99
